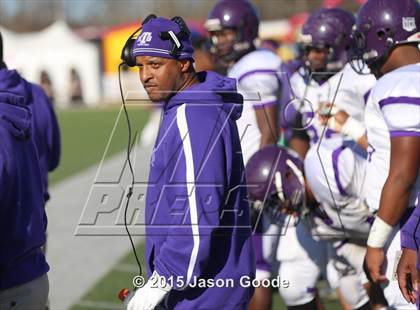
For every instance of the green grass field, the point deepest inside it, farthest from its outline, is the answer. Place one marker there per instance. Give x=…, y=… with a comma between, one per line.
x=85, y=136
x=106, y=291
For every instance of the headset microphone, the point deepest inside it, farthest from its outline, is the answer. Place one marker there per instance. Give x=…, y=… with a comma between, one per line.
x=129, y=60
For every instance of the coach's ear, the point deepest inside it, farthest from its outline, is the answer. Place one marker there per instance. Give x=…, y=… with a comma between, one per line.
x=186, y=65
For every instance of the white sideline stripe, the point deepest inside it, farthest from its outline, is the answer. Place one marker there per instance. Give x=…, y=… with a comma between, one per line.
x=181, y=121
x=126, y=268
x=93, y=258
x=100, y=304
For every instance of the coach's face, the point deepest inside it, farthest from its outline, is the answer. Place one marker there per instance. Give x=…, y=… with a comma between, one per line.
x=160, y=76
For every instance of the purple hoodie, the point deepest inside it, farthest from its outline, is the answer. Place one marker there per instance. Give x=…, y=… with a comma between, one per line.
x=197, y=215
x=22, y=225
x=45, y=127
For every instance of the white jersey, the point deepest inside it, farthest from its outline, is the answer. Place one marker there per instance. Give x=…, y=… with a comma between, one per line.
x=336, y=177
x=258, y=81
x=392, y=110
x=346, y=89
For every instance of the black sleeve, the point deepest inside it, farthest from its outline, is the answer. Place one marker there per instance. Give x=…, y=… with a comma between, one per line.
x=298, y=131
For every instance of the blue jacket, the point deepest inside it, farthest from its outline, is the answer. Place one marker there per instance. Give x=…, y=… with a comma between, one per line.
x=46, y=132
x=197, y=215
x=22, y=225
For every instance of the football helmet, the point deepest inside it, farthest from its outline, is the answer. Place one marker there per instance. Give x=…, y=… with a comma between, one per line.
x=275, y=181
x=239, y=16
x=331, y=29
x=382, y=25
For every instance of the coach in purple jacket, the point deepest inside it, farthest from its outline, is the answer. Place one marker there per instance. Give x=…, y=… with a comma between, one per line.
x=45, y=128
x=23, y=268
x=29, y=148
x=197, y=216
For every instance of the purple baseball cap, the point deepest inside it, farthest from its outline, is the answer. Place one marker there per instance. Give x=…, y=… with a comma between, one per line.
x=162, y=37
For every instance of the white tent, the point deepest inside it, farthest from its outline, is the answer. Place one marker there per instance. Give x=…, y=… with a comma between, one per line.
x=57, y=50
x=274, y=28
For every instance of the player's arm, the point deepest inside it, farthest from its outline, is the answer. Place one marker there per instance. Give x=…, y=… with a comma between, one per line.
x=349, y=105
x=267, y=123
x=299, y=141
x=402, y=117
x=404, y=164
x=266, y=86
x=402, y=120
x=352, y=128
x=405, y=161
x=347, y=125
x=310, y=197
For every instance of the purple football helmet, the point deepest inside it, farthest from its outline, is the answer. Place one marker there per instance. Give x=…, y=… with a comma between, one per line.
x=239, y=15
x=381, y=25
x=329, y=28
x=345, y=39
x=275, y=179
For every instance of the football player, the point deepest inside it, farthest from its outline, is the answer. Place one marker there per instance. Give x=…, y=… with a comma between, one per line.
x=324, y=82
x=233, y=29
x=387, y=36
x=318, y=89
x=275, y=177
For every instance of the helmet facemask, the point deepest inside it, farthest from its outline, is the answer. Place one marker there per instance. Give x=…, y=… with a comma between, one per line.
x=355, y=53
x=231, y=50
x=239, y=16
x=382, y=26
x=361, y=54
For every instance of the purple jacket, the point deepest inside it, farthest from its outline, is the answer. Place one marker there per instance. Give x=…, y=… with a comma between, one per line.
x=410, y=232
x=22, y=224
x=45, y=127
x=197, y=215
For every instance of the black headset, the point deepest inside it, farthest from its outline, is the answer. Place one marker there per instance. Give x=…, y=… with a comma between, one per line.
x=184, y=32
x=127, y=52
